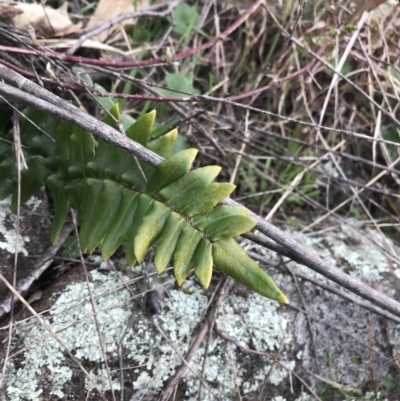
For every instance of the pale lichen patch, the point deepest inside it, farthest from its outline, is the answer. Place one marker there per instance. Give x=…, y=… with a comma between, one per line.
x=305, y=397
x=254, y=320
x=8, y=224
x=101, y=379
x=347, y=248
x=81, y=338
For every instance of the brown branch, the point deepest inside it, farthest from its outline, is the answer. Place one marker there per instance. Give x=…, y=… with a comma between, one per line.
x=93, y=92
x=66, y=111
x=173, y=382
x=157, y=98
x=34, y=95
x=337, y=291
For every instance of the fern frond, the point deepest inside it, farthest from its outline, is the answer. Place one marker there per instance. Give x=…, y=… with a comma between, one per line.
x=176, y=209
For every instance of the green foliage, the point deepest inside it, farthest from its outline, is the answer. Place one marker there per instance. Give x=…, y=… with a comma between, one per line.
x=390, y=133
x=186, y=18
x=350, y=29
x=327, y=389
x=70, y=248
x=178, y=83
x=117, y=202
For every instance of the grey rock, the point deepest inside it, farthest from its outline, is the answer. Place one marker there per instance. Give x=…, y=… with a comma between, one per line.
x=350, y=346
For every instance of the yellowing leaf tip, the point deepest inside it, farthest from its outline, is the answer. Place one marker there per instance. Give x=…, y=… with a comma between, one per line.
x=282, y=299
x=193, y=152
x=173, y=132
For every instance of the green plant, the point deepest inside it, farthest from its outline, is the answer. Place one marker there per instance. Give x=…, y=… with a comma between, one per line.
x=328, y=359
x=186, y=18
x=328, y=388
x=120, y=200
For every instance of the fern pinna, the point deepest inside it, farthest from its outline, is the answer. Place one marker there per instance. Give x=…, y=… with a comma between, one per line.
x=120, y=200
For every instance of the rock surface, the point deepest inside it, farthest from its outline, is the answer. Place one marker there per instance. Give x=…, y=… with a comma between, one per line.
x=33, y=241
x=258, y=351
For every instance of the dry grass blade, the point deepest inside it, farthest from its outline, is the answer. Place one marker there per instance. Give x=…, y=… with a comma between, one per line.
x=94, y=307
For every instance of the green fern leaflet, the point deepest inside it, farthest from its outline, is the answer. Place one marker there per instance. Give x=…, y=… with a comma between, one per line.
x=120, y=200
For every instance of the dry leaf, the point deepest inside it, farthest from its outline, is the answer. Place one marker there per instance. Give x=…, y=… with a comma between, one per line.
x=109, y=9
x=45, y=20
x=385, y=10
x=8, y=12
x=364, y=5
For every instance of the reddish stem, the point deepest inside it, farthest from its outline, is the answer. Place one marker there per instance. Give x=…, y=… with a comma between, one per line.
x=132, y=64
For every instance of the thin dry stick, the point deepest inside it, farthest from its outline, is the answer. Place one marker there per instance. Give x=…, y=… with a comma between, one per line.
x=69, y=113
x=377, y=131
x=121, y=358
x=173, y=382
x=230, y=353
x=251, y=351
x=242, y=148
x=333, y=85
x=337, y=72
x=304, y=143
x=83, y=319
x=296, y=180
x=185, y=362
x=370, y=363
x=58, y=107
x=94, y=307
x=328, y=287
x=358, y=191
x=287, y=41
x=135, y=64
x=209, y=338
x=42, y=265
x=306, y=123
x=53, y=334
x=21, y=114
x=312, y=334
x=18, y=153
x=368, y=213
x=271, y=368
x=198, y=127
x=204, y=364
